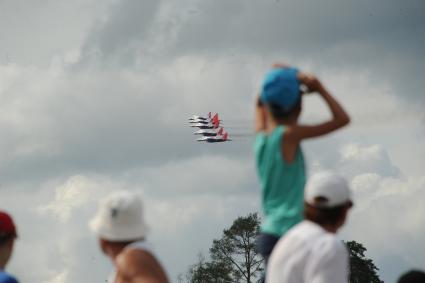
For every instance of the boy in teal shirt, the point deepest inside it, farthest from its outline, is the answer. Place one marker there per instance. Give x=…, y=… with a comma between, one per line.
x=278, y=153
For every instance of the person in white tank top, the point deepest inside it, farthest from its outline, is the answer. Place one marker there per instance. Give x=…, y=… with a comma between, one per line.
x=121, y=230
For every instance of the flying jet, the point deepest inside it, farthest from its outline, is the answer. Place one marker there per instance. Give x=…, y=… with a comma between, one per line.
x=206, y=121
x=223, y=138
x=209, y=133
x=213, y=124
x=199, y=121
x=196, y=117
x=206, y=126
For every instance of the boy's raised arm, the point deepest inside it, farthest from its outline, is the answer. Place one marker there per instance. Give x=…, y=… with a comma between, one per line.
x=339, y=117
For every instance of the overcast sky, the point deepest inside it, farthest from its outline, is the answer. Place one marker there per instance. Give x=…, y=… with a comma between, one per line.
x=95, y=95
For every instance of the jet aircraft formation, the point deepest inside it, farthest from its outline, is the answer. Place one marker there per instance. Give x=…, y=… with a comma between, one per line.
x=208, y=128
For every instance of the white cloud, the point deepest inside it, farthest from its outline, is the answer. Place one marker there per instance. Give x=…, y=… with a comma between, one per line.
x=371, y=159
x=386, y=221
x=387, y=206
x=184, y=226
x=355, y=153
x=74, y=193
x=215, y=174
x=53, y=224
x=60, y=278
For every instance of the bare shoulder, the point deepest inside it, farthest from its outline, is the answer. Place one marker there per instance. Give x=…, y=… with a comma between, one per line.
x=290, y=134
x=289, y=144
x=140, y=266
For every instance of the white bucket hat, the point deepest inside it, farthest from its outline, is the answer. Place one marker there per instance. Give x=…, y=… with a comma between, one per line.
x=327, y=190
x=120, y=217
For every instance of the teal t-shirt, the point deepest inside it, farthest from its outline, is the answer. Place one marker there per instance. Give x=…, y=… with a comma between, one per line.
x=282, y=183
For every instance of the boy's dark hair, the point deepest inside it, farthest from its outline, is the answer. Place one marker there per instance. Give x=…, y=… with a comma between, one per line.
x=324, y=216
x=413, y=276
x=280, y=113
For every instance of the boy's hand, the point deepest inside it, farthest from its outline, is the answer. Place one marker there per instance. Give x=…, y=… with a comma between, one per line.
x=310, y=81
x=280, y=65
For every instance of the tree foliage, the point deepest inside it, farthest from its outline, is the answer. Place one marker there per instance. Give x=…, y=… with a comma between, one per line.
x=234, y=259
x=213, y=271
x=233, y=256
x=362, y=269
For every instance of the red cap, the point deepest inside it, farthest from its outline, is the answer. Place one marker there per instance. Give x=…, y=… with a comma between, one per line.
x=7, y=227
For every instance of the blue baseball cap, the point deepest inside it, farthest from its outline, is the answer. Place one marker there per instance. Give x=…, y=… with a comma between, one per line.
x=281, y=87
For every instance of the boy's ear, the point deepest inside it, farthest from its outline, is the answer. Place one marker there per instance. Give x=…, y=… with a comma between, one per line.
x=103, y=245
x=9, y=243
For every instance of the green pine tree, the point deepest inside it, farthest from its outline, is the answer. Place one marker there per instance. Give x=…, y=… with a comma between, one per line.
x=362, y=269
x=233, y=257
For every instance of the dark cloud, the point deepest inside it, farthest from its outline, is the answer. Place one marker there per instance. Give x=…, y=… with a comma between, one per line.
x=385, y=40
x=300, y=26
x=124, y=35
x=34, y=32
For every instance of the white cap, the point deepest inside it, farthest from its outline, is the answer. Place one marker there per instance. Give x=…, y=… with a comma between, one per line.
x=120, y=217
x=327, y=190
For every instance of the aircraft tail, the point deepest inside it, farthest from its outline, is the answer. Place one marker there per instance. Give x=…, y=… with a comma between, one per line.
x=225, y=136
x=216, y=124
x=215, y=117
x=216, y=121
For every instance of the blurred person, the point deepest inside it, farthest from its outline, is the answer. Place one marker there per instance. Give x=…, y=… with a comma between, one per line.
x=8, y=235
x=121, y=230
x=310, y=252
x=413, y=276
x=279, y=157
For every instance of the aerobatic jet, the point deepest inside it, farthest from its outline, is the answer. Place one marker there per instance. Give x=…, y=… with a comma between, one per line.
x=206, y=121
x=213, y=124
x=223, y=138
x=206, y=126
x=196, y=117
x=199, y=122
x=209, y=133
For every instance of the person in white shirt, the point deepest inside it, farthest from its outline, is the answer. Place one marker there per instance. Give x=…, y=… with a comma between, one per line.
x=121, y=230
x=310, y=252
